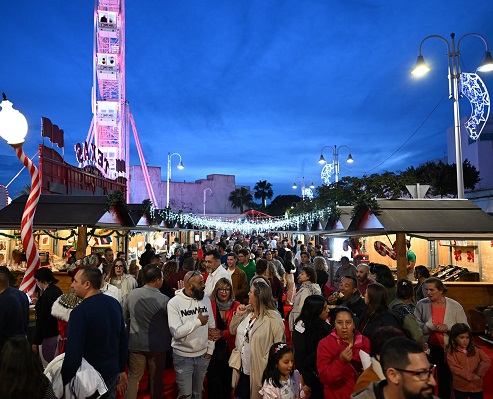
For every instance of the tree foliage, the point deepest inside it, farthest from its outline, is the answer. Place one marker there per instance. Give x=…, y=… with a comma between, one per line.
x=391, y=185
x=263, y=190
x=281, y=204
x=442, y=177
x=240, y=198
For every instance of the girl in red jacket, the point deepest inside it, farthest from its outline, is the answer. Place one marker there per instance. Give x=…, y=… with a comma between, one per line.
x=467, y=362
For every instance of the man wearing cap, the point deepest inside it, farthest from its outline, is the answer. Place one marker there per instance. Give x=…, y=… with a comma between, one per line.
x=14, y=308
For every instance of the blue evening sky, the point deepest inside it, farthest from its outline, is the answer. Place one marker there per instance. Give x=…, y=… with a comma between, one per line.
x=252, y=88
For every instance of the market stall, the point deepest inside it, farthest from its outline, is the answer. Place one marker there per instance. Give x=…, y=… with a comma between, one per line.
x=443, y=232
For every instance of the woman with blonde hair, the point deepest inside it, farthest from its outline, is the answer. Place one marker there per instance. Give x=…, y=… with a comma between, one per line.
x=276, y=285
x=257, y=327
x=321, y=269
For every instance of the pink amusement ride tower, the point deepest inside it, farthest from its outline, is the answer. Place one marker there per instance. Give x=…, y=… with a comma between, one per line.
x=112, y=119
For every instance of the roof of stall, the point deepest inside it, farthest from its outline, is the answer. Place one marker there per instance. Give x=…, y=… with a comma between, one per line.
x=67, y=211
x=430, y=219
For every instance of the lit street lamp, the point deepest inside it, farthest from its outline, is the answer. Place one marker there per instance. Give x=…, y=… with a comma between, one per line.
x=205, y=195
x=180, y=166
x=303, y=187
x=335, y=158
x=454, y=77
x=13, y=128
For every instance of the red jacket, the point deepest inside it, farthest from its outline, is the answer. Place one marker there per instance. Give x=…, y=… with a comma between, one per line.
x=339, y=377
x=230, y=338
x=464, y=368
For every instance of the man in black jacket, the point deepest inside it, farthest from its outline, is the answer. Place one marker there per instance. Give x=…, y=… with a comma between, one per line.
x=349, y=296
x=145, y=258
x=14, y=309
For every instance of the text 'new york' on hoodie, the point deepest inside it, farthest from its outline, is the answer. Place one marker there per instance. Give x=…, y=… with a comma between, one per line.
x=189, y=337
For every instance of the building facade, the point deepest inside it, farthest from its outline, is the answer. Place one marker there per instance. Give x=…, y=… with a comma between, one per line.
x=189, y=197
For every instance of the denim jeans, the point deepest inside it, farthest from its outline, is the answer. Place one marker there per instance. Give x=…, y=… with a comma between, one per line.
x=111, y=385
x=190, y=373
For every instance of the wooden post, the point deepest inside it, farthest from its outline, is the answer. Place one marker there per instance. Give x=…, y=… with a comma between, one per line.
x=81, y=242
x=400, y=248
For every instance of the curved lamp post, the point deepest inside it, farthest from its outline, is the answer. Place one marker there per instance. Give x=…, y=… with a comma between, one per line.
x=13, y=128
x=303, y=187
x=335, y=157
x=180, y=166
x=454, y=78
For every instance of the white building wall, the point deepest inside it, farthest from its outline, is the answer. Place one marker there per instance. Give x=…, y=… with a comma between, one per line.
x=478, y=152
x=186, y=196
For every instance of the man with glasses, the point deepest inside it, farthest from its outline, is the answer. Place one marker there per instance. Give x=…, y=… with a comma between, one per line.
x=190, y=320
x=408, y=373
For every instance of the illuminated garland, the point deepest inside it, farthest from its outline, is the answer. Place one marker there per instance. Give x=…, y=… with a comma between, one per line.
x=13, y=236
x=92, y=233
x=72, y=234
x=244, y=226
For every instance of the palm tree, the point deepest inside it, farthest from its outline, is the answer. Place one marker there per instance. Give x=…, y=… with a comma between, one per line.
x=26, y=190
x=239, y=198
x=263, y=190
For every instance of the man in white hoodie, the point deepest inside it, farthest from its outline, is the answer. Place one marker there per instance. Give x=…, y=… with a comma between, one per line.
x=190, y=319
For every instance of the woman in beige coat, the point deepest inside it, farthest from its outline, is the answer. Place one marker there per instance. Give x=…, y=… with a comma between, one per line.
x=256, y=326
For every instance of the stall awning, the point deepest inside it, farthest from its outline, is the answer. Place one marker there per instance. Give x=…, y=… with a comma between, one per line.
x=66, y=211
x=430, y=219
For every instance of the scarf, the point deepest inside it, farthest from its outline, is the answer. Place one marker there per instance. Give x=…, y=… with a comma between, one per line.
x=224, y=306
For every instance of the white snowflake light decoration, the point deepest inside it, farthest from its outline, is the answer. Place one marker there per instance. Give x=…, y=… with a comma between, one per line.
x=474, y=89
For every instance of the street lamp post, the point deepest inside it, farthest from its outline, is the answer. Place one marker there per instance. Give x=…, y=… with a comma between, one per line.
x=13, y=128
x=335, y=158
x=303, y=187
x=180, y=166
x=454, y=77
x=205, y=195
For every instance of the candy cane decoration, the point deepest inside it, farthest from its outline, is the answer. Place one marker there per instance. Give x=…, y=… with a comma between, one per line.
x=384, y=250
x=32, y=255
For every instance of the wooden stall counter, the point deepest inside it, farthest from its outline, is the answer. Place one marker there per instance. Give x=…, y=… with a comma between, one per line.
x=470, y=295
x=64, y=279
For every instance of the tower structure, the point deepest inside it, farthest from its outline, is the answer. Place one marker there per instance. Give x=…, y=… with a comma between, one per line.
x=109, y=133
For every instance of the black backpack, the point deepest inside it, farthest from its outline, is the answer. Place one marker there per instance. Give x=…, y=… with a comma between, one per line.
x=400, y=311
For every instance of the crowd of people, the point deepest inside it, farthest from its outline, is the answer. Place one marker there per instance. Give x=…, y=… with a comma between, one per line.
x=218, y=310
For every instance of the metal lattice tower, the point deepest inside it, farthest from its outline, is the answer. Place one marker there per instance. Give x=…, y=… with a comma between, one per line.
x=112, y=120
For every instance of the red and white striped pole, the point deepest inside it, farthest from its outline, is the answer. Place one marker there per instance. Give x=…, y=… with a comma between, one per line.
x=28, y=283
x=13, y=128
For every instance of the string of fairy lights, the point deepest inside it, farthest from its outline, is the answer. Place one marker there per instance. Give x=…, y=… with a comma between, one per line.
x=243, y=225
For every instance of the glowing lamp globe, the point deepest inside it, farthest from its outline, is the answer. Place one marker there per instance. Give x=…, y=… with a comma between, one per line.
x=13, y=125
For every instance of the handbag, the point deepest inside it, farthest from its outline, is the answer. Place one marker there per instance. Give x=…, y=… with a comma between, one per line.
x=235, y=359
x=235, y=363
